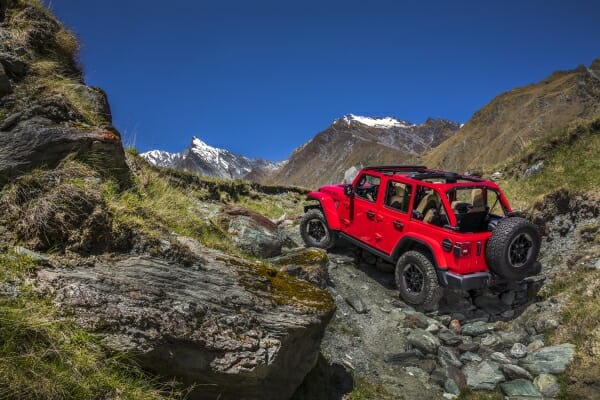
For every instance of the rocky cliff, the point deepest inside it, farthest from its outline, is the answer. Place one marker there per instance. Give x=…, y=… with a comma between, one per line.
x=46, y=110
x=354, y=141
x=111, y=281
x=512, y=120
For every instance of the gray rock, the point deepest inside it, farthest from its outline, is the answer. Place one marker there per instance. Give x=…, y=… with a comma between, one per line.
x=12, y=65
x=449, y=337
x=397, y=315
x=535, y=345
x=533, y=169
x=518, y=350
x=10, y=289
x=549, y=360
x=520, y=389
x=510, y=337
x=491, y=303
x=483, y=376
x=477, y=328
x=500, y=358
x=418, y=373
x=547, y=384
x=508, y=298
x=423, y=340
x=468, y=347
x=470, y=357
x=512, y=371
x=451, y=387
x=94, y=98
x=251, y=232
x=5, y=87
x=447, y=356
x=357, y=304
x=491, y=340
x=221, y=324
x=35, y=256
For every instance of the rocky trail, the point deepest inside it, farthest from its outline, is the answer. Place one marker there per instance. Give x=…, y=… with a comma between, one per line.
x=478, y=340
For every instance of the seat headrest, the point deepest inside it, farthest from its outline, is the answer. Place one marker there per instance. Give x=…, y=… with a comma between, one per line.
x=477, y=198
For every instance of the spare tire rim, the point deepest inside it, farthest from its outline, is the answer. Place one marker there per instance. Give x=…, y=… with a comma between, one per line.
x=316, y=230
x=413, y=279
x=520, y=249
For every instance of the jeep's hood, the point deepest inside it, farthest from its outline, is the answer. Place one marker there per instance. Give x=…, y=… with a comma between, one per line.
x=333, y=190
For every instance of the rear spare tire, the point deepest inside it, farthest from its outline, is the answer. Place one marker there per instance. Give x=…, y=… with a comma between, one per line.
x=314, y=230
x=513, y=249
x=417, y=280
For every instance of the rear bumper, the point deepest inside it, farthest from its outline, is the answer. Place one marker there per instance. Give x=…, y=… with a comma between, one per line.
x=475, y=280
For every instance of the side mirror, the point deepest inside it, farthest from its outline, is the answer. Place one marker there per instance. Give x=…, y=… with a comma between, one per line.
x=349, y=190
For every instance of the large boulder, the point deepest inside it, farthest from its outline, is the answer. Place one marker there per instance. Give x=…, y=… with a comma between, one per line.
x=252, y=232
x=235, y=329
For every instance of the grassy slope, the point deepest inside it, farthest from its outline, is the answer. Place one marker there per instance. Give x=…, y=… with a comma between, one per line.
x=571, y=157
x=517, y=117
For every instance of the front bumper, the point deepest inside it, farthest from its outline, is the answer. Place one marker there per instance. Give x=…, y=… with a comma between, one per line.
x=475, y=280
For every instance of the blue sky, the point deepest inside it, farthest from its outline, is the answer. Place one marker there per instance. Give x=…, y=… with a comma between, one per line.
x=262, y=77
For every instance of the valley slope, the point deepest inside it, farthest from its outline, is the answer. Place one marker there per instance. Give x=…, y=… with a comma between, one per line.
x=515, y=118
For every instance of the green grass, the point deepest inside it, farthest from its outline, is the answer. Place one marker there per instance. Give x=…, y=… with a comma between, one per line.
x=45, y=356
x=571, y=161
x=366, y=390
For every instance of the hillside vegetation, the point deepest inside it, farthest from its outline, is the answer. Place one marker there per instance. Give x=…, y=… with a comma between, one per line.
x=514, y=119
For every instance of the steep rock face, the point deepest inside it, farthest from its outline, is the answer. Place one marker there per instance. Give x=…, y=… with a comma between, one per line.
x=206, y=160
x=515, y=118
x=46, y=110
x=354, y=141
x=235, y=329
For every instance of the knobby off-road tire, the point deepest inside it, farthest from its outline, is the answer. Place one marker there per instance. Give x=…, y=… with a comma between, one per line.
x=513, y=249
x=417, y=280
x=314, y=230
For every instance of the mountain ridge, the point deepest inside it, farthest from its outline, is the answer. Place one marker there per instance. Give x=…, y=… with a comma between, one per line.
x=207, y=160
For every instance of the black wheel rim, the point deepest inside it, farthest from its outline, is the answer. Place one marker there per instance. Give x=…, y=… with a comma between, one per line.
x=316, y=230
x=519, y=250
x=413, y=279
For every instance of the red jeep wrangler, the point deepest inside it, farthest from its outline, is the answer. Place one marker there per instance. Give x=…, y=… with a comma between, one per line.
x=440, y=229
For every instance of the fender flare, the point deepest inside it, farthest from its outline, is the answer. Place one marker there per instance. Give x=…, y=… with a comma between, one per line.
x=328, y=207
x=422, y=241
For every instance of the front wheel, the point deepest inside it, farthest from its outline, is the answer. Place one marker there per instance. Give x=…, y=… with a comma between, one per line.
x=314, y=230
x=417, y=281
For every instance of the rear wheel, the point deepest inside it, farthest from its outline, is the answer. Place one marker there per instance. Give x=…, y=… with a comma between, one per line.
x=314, y=230
x=417, y=281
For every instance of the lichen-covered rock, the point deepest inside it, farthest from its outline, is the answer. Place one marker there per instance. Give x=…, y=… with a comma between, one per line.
x=547, y=384
x=236, y=329
x=549, y=360
x=521, y=388
x=483, y=376
x=307, y=263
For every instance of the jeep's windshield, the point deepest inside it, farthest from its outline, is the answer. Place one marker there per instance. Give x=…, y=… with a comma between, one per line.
x=474, y=207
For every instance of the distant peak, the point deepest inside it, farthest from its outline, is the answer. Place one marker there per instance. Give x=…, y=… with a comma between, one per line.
x=375, y=122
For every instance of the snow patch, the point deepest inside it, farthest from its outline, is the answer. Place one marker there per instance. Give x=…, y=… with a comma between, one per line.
x=383, y=123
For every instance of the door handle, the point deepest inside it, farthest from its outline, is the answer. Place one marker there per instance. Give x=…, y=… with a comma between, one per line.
x=398, y=225
x=370, y=214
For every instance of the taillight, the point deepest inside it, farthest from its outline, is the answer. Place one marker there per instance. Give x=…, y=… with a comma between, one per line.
x=462, y=249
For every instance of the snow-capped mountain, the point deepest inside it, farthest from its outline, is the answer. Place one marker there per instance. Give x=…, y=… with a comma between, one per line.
x=206, y=160
x=353, y=141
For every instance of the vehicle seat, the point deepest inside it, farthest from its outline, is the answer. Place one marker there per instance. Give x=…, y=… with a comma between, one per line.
x=460, y=207
x=396, y=200
x=473, y=220
x=477, y=201
x=430, y=217
x=430, y=201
